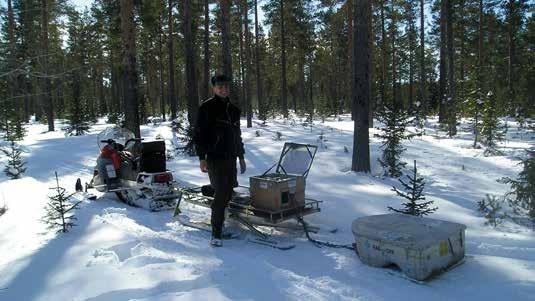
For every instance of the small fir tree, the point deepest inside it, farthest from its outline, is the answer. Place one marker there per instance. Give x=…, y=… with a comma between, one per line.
x=15, y=164
x=322, y=140
x=522, y=194
x=3, y=209
x=79, y=122
x=58, y=210
x=116, y=118
x=491, y=206
x=419, y=116
x=11, y=124
x=492, y=131
x=474, y=107
x=393, y=133
x=184, y=132
x=414, y=193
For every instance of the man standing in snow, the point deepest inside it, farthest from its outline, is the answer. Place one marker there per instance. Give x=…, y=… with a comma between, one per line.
x=218, y=142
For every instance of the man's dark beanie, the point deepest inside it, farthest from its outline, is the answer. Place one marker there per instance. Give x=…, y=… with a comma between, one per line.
x=220, y=79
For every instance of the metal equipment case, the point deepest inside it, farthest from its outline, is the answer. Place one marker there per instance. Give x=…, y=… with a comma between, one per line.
x=420, y=247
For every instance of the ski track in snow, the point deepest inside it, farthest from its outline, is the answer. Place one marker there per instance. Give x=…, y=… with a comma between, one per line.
x=118, y=252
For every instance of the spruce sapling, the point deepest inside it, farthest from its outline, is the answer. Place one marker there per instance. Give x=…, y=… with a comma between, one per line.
x=3, y=209
x=492, y=131
x=414, y=193
x=58, y=216
x=185, y=133
x=522, y=194
x=491, y=206
x=393, y=133
x=15, y=164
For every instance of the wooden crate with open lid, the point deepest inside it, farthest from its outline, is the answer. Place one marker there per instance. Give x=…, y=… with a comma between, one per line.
x=285, y=188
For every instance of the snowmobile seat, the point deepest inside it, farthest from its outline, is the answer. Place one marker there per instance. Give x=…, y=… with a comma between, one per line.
x=153, y=156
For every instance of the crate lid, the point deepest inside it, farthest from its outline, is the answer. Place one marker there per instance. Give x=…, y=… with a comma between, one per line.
x=296, y=159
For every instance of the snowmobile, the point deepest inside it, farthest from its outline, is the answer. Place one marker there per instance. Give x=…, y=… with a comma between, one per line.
x=134, y=170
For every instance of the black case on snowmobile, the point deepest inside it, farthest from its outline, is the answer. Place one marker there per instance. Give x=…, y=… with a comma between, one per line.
x=153, y=156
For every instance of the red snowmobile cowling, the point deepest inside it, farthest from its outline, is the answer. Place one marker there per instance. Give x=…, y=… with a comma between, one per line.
x=109, y=152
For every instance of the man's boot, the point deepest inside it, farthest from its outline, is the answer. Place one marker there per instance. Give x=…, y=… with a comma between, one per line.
x=216, y=242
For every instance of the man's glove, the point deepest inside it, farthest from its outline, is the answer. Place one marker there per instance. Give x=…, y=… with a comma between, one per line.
x=204, y=166
x=243, y=167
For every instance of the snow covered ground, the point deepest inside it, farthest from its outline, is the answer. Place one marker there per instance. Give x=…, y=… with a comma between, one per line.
x=122, y=253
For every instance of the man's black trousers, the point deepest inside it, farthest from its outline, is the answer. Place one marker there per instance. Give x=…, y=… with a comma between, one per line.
x=222, y=173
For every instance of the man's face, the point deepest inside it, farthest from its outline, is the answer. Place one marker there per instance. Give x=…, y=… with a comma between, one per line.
x=221, y=89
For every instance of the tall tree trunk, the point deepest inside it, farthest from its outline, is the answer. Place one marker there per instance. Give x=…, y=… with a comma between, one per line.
x=452, y=102
x=349, y=8
x=103, y=108
x=283, y=62
x=241, y=59
x=301, y=70
x=151, y=76
x=396, y=101
x=422, y=84
x=226, y=45
x=247, y=84
x=361, y=94
x=479, y=69
x=383, y=55
x=171, y=82
x=512, y=53
x=261, y=108
x=412, y=43
x=92, y=99
x=26, y=85
x=371, y=41
x=76, y=102
x=442, y=64
x=12, y=57
x=461, y=93
x=115, y=95
x=206, y=73
x=310, y=106
x=191, y=81
x=13, y=78
x=160, y=61
x=47, y=97
x=128, y=39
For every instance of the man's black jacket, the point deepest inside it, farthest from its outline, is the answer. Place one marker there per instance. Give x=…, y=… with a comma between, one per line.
x=217, y=133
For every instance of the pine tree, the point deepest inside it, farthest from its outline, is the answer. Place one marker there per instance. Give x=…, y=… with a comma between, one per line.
x=15, y=164
x=492, y=131
x=58, y=211
x=522, y=194
x=413, y=193
x=393, y=133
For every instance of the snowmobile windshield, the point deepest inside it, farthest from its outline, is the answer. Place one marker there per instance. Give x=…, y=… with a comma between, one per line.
x=296, y=159
x=119, y=135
